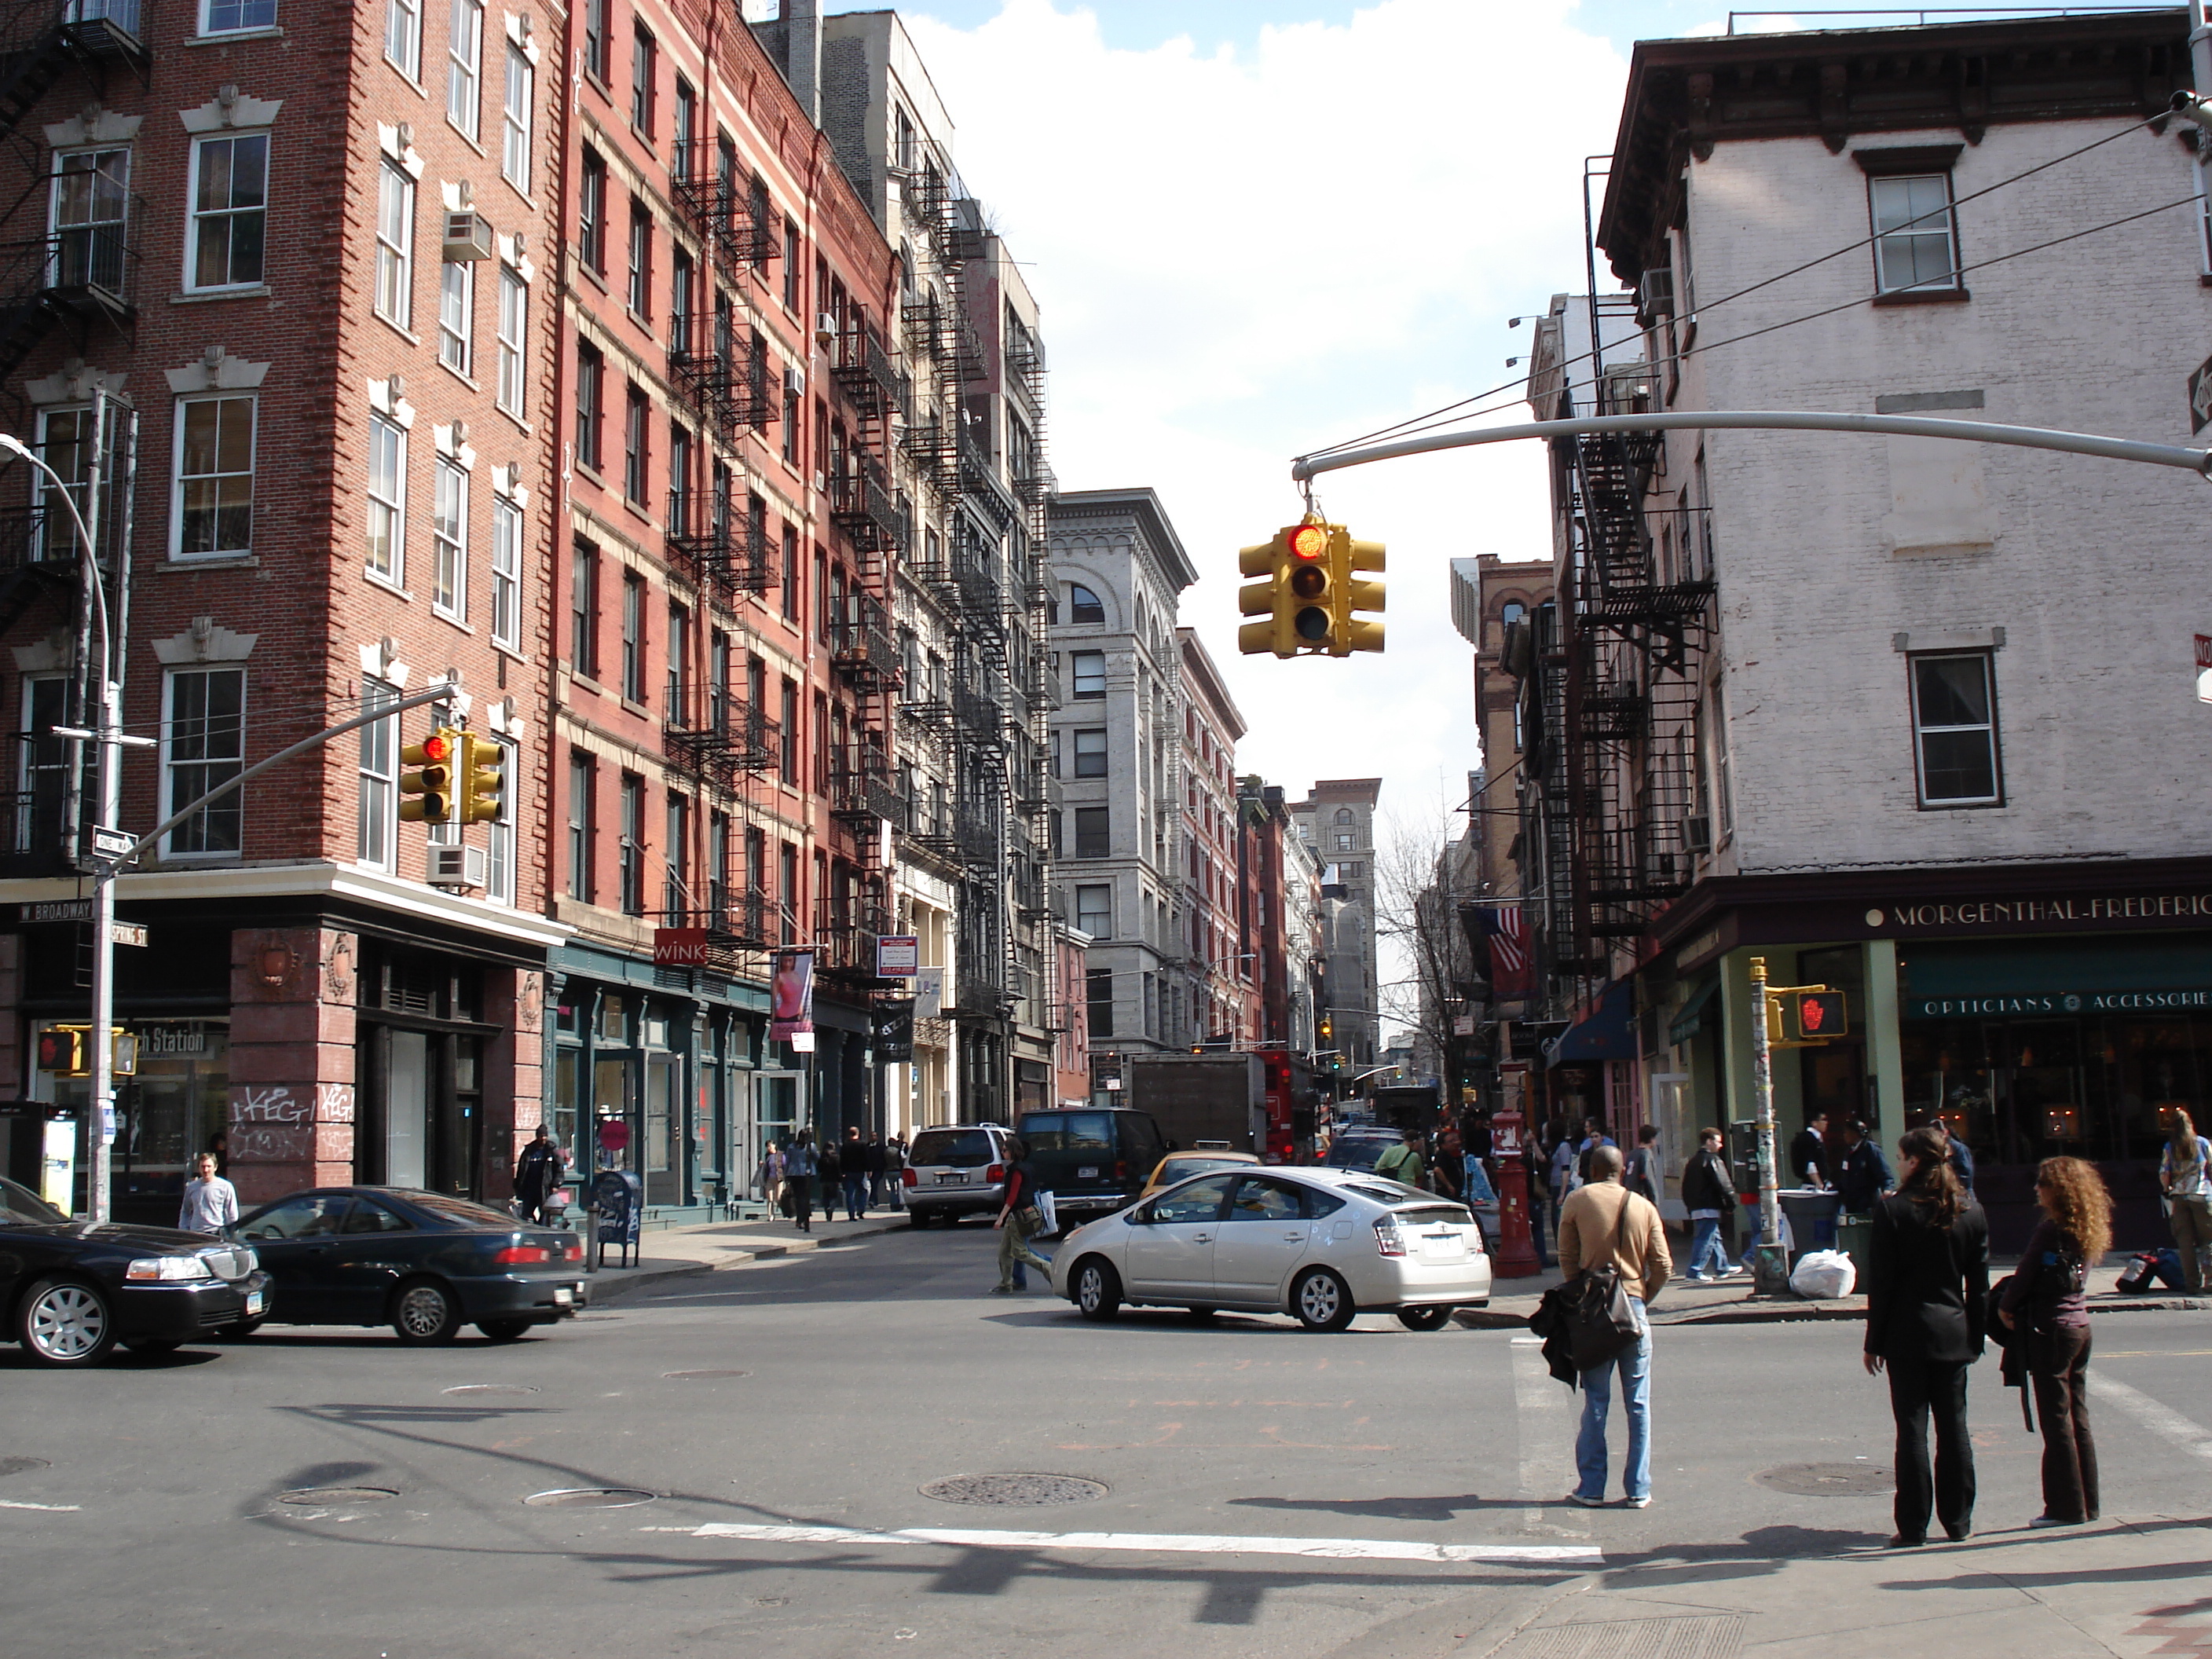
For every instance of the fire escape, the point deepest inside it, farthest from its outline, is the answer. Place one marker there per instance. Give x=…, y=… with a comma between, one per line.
x=1629, y=654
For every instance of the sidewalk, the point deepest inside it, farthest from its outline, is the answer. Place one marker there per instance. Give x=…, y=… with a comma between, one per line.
x=2131, y=1586
x=1731, y=1302
x=688, y=1252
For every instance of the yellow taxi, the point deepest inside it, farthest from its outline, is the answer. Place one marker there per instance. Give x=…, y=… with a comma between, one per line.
x=1179, y=1166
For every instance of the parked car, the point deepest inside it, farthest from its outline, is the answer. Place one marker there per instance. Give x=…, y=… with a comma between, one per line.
x=1321, y=1244
x=1360, y=1148
x=1091, y=1160
x=424, y=1263
x=72, y=1290
x=956, y=1172
x=1180, y=1166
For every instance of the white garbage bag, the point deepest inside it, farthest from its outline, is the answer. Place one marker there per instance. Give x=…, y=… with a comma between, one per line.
x=1823, y=1275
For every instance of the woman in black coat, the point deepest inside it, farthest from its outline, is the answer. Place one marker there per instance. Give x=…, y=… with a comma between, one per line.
x=1928, y=1281
x=2045, y=1298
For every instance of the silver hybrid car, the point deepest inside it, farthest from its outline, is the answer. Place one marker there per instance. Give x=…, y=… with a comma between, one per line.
x=1323, y=1245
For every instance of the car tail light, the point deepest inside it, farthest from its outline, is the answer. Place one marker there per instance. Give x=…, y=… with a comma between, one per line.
x=1475, y=1244
x=1121, y=1170
x=514, y=1256
x=909, y=1178
x=573, y=1251
x=1388, y=1239
x=995, y=1173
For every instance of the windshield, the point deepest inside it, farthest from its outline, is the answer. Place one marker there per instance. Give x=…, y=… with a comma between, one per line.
x=1359, y=1152
x=1068, y=1132
x=457, y=1210
x=960, y=1149
x=21, y=1207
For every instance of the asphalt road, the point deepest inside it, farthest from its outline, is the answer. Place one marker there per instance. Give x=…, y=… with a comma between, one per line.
x=141, y=1506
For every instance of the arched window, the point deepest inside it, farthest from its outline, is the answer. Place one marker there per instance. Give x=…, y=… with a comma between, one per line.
x=1344, y=815
x=1082, y=605
x=1142, y=631
x=1511, y=612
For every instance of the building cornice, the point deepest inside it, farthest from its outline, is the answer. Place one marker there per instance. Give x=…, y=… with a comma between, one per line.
x=1141, y=504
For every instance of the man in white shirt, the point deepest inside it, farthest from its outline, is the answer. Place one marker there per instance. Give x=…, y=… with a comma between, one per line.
x=211, y=1202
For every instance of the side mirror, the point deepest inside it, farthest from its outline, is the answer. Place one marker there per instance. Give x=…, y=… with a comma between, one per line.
x=1139, y=1216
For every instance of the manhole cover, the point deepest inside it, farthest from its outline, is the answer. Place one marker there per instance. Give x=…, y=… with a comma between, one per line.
x=590, y=1497
x=1829, y=1480
x=1021, y=1492
x=489, y=1388
x=17, y=1465
x=320, y=1497
x=691, y=1376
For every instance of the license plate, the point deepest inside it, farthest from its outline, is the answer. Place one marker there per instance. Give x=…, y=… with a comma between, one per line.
x=955, y=1179
x=1443, y=1244
x=1088, y=1172
x=252, y=1303
x=562, y=1295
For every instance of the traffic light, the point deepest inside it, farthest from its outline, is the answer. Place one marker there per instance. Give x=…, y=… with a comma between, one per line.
x=427, y=793
x=482, y=779
x=1295, y=597
x=63, y=1050
x=1815, y=1016
x=1349, y=594
x=1327, y=1028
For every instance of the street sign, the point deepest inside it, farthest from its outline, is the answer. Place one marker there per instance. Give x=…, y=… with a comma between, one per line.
x=898, y=956
x=55, y=910
x=112, y=843
x=2200, y=397
x=127, y=932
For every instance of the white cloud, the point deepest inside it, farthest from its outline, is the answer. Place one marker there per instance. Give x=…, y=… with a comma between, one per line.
x=1243, y=256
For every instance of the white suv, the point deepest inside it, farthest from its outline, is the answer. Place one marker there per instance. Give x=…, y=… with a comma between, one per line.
x=956, y=1172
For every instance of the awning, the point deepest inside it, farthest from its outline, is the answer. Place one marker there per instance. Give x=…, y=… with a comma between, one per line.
x=1606, y=1032
x=1691, y=1019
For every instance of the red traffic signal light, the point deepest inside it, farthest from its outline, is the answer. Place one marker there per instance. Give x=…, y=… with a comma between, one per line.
x=1307, y=541
x=1820, y=1015
x=61, y=1049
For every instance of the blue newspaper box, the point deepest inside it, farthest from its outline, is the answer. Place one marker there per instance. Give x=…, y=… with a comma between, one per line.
x=619, y=1197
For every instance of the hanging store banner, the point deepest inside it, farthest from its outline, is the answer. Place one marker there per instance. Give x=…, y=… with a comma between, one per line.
x=679, y=947
x=928, y=992
x=891, y=1031
x=897, y=956
x=791, y=1013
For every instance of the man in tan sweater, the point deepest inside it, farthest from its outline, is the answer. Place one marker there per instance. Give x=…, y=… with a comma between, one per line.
x=1605, y=1222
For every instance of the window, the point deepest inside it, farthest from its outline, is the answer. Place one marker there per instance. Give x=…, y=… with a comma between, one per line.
x=457, y=309
x=1093, y=837
x=644, y=60
x=90, y=212
x=517, y=115
x=592, y=211
x=584, y=611
x=514, y=321
x=1090, y=753
x=1090, y=668
x=590, y=407
x=790, y=426
x=686, y=134
x=402, y=36
x=1343, y=841
x=387, y=500
x=1094, y=911
x=583, y=787
x=595, y=39
x=641, y=259
x=718, y=868
x=787, y=761
x=464, y=66
x=1098, y=992
x=395, y=245
x=680, y=300
x=449, y=542
x=214, y=476
x=1083, y=604
x=1915, y=233
x=230, y=210
x=505, y=573
x=1955, y=729
x=790, y=574
x=679, y=664
x=637, y=425
x=499, y=856
x=720, y=659
x=379, y=777
x=631, y=847
x=228, y=16
x=1720, y=784
x=676, y=857
x=679, y=479
x=204, y=728
x=1511, y=612
x=633, y=636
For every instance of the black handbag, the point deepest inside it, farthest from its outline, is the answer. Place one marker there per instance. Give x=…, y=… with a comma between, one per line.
x=1594, y=1305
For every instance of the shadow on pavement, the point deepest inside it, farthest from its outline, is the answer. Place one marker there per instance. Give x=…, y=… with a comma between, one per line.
x=1388, y=1509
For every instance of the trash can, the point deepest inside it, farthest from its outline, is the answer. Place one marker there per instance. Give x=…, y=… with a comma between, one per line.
x=1855, y=1238
x=1812, y=1215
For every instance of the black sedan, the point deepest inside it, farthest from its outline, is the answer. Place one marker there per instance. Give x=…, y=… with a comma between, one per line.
x=72, y=1290
x=424, y=1263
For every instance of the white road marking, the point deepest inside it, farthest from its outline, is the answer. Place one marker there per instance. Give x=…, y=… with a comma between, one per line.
x=51, y=1509
x=2153, y=1415
x=1334, y=1549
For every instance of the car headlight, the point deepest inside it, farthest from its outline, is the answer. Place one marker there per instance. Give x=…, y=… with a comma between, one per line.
x=168, y=1269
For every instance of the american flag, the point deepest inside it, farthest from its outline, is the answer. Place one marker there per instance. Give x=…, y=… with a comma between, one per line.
x=1507, y=928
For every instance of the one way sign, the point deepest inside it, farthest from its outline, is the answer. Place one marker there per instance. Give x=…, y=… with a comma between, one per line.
x=2200, y=397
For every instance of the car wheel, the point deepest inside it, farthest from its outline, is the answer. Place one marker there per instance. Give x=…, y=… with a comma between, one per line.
x=1322, y=1301
x=153, y=1344
x=1425, y=1319
x=424, y=1311
x=240, y=1331
x=503, y=1330
x=64, y=1322
x=1097, y=1288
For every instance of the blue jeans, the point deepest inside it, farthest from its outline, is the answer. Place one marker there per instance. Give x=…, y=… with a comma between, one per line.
x=856, y=1196
x=1634, y=1365
x=1704, y=1242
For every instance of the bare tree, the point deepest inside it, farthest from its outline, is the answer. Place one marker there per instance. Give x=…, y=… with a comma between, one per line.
x=1422, y=874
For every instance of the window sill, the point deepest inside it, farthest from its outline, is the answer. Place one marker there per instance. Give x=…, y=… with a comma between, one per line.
x=387, y=585
x=632, y=705
x=516, y=418
x=596, y=278
x=207, y=296
x=588, y=683
x=412, y=339
x=452, y=621
x=506, y=650
x=638, y=512
x=467, y=137
x=177, y=564
x=591, y=474
x=1933, y=296
x=271, y=31
x=403, y=72
x=457, y=374
x=517, y=190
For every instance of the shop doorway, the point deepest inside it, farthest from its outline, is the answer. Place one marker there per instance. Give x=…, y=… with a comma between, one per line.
x=421, y=1123
x=775, y=1114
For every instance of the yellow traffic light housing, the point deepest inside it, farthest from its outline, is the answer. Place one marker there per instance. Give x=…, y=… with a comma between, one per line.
x=1352, y=595
x=1311, y=595
x=426, y=794
x=482, y=777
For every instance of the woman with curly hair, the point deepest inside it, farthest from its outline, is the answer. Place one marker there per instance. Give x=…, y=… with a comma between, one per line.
x=1928, y=1287
x=2045, y=1295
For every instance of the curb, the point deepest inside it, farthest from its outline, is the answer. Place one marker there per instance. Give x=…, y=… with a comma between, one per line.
x=639, y=1278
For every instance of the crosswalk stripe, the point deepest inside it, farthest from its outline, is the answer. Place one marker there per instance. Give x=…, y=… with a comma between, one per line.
x=1335, y=1549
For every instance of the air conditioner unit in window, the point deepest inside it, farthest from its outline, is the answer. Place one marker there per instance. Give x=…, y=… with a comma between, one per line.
x=459, y=868
x=468, y=236
x=1655, y=295
x=794, y=380
x=825, y=326
x=1697, y=833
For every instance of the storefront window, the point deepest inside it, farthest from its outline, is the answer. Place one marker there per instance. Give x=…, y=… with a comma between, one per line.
x=176, y=1107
